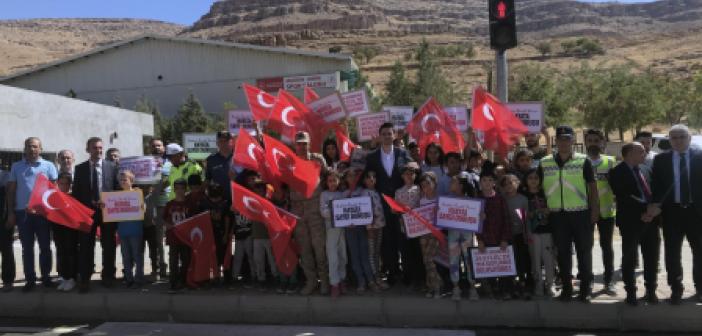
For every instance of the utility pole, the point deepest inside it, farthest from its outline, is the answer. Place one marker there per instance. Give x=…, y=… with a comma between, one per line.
x=501, y=64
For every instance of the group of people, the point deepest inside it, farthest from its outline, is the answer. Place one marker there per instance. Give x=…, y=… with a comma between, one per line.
x=544, y=205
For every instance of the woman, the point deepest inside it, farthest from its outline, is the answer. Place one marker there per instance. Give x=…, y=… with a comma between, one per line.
x=330, y=153
x=434, y=160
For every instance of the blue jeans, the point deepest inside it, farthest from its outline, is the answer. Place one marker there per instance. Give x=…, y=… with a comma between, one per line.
x=31, y=226
x=357, y=241
x=132, y=256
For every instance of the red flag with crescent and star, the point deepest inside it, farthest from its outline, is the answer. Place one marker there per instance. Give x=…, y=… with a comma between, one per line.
x=196, y=232
x=58, y=207
x=289, y=116
x=432, y=124
x=260, y=102
x=249, y=153
x=344, y=145
x=401, y=208
x=300, y=174
x=310, y=95
x=502, y=128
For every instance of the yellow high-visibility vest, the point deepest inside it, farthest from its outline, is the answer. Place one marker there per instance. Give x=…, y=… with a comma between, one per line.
x=565, y=187
x=608, y=208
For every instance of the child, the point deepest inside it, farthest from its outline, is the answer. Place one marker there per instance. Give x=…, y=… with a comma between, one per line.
x=522, y=163
x=496, y=228
x=357, y=241
x=429, y=243
x=151, y=230
x=262, y=250
x=131, y=234
x=409, y=195
x=518, y=205
x=288, y=283
x=243, y=242
x=217, y=205
x=375, y=230
x=196, y=193
x=459, y=241
x=539, y=233
x=66, y=241
x=176, y=211
x=336, y=244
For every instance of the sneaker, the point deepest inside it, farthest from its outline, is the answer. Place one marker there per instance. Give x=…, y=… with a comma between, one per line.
x=473, y=294
x=292, y=289
x=335, y=291
x=456, y=295
x=549, y=292
x=610, y=289
x=382, y=284
x=61, y=284
x=68, y=285
x=437, y=294
x=7, y=287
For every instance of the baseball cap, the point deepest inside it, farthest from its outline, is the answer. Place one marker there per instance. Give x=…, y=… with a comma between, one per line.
x=173, y=149
x=564, y=131
x=302, y=137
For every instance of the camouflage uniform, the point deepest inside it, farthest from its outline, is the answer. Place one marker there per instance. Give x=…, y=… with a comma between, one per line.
x=310, y=234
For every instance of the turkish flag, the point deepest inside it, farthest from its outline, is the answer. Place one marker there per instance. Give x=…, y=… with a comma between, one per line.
x=260, y=102
x=58, y=207
x=402, y=208
x=290, y=115
x=344, y=145
x=300, y=174
x=196, y=232
x=502, y=128
x=249, y=154
x=280, y=224
x=310, y=95
x=433, y=124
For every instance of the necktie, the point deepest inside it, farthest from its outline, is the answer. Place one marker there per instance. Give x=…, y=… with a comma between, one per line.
x=643, y=186
x=94, y=187
x=684, y=181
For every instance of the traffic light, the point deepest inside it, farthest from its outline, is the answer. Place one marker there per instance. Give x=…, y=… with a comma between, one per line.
x=503, y=22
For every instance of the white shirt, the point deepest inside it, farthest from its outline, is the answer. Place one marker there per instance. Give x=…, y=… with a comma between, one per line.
x=98, y=168
x=388, y=159
x=676, y=173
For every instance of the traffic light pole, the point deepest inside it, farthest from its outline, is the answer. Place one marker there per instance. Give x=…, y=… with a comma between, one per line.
x=501, y=63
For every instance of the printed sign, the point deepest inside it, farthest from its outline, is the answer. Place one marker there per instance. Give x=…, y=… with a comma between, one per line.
x=459, y=115
x=492, y=263
x=122, y=206
x=313, y=81
x=146, y=169
x=271, y=85
x=352, y=211
x=400, y=116
x=330, y=108
x=459, y=213
x=356, y=103
x=367, y=125
x=415, y=228
x=239, y=119
x=199, y=145
x=530, y=113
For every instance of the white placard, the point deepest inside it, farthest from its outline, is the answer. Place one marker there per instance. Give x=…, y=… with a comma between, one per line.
x=460, y=213
x=241, y=119
x=492, y=263
x=530, y=113
x=146, y=169
x=415, y=228
x=200, y=145
x=400, y=116
x=356, y=103
x=313, y=81
x=459, y=115
x=367, y=125
x=122, y=206
x=330, y=108
x=352, y=211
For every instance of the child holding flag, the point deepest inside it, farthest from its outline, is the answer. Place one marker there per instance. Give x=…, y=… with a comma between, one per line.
x=176, y=211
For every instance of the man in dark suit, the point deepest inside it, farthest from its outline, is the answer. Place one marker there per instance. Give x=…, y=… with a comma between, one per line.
x=92, y=177
x=677, y=191
x=636, y=227
x=386, y=162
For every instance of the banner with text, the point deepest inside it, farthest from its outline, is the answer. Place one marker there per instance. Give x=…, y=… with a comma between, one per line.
x=459, y=115
x=313, y=81
x=492, y=263
x=199, y=145
x=122, y=206
x=330, y=108
x=367, y=125
x=400, y=116
x=356, y=103
x=241, y=119
x=530, y=113
x=352, y=211
x=415, y=228
x=460, y=213
x=146, y=169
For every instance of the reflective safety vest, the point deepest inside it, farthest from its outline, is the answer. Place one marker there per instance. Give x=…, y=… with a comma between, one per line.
x=607, y=206
x=565, y=187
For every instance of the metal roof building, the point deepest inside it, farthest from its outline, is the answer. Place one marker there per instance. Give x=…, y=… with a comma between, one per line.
x=166, y=69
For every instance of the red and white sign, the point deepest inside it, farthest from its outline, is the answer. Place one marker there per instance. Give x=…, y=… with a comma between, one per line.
x=530, y=113
x=270, y=84
x=314, y=81
x=241, y=119
x=400, y=116
x=459, y=213
x=356, y=103
x=368, y=125
x=415, y=228
x=330, y=108
x=146, y=169
x=459, y=115
x=122, y=206
x=492, y=263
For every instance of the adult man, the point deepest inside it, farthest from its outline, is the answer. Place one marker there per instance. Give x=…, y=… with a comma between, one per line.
x=310, y=232
x=218, y=168
x=6, y=232
x=594, y=144
x=633, y=194
x=571, y=196
x=66, y=160
x=532, y=142
x=677, y=191
x=153, y=225
x=387, y=162
x=90, y=179
x=23, y=174
x=113, y=155
x=181, y=168
x=646, y=139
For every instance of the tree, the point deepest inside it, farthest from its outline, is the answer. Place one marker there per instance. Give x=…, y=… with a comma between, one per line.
x=398, y=88
x=162, y=126
x=537, y=83
x=431, y=81
x=544, y=48
x=191, y=117
x=582, y=47
x=695, y=116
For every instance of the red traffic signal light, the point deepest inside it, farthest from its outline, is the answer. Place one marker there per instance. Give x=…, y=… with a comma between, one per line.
x=503, y=31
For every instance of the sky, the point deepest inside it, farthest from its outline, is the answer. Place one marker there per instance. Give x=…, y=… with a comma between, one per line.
x=184, y=12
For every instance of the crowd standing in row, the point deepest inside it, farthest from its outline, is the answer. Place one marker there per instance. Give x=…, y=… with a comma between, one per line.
x=541, y=203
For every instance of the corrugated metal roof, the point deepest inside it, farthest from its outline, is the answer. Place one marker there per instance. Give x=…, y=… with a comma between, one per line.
x=71, y=59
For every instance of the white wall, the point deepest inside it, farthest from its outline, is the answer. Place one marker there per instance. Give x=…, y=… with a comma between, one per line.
x=65, y=123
